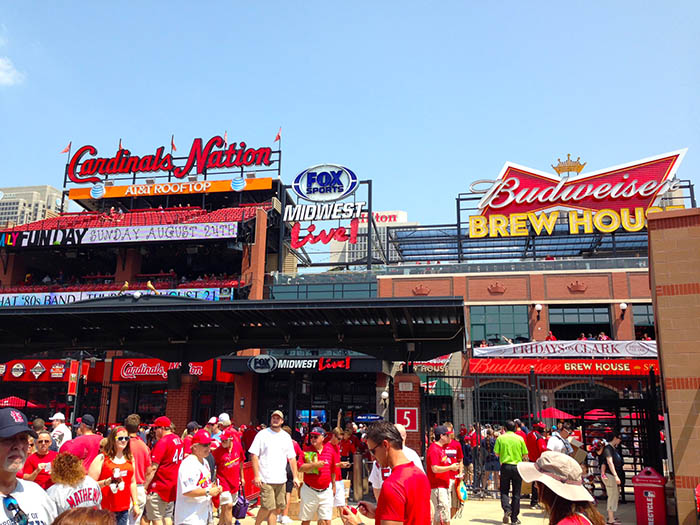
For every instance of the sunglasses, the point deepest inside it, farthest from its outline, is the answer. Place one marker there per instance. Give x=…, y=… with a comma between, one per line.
x=17, y=515
x=371, y=450
x=43, y=441
x=123, y=438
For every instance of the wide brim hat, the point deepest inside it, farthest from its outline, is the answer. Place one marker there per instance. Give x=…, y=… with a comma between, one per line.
x=559, y=472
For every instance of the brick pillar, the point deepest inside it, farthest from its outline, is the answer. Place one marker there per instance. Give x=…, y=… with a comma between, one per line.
x=179, y=405
x=623, y=329
x=13, y=273
x=257, y=256
x=128, y=265
x=407, y=395
x=246, y=386
x=674, y=252
x=539, y=329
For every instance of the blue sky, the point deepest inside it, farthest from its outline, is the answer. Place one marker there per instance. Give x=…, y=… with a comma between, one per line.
x=423, y=98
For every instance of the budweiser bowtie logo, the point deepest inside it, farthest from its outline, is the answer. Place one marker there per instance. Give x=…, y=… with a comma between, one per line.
x=635, y=185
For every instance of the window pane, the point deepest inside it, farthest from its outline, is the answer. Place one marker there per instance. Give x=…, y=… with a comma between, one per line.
x=602, y=318
x=476, y=310
x=586, y=317
x=478, y=333
x=556, y=318
x=571, y=317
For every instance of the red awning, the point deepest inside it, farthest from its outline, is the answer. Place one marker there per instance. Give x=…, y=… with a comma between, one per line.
x=598, y=413
x=17, y=402
x=552, y=413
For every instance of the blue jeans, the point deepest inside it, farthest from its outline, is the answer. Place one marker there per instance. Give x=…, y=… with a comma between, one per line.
x=122, y=517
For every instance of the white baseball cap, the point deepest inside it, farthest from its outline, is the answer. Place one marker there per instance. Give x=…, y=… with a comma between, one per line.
x=212, y=421
x=224, y=418
x=58, y=415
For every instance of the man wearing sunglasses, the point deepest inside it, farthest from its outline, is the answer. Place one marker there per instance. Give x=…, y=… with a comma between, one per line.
x=318, y=465
x=23, y=501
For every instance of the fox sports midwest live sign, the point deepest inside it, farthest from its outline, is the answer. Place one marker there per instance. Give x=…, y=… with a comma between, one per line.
x=325, y=182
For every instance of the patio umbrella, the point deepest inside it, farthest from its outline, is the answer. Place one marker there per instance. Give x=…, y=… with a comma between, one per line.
x=598, y=413
x=552, y=413
x=637, y=415
x=17, y=402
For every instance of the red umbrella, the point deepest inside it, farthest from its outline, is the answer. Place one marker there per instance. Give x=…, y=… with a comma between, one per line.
x=17, y=402
x=598, y=413
x=552, y=413
x=637, y=415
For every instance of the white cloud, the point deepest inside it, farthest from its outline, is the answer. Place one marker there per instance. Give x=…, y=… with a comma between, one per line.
x=9, y=76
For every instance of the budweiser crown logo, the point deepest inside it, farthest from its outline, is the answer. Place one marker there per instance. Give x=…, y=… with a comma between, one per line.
x=421, y=290
x=569, y=166
x=577, y=287
x=496, y=288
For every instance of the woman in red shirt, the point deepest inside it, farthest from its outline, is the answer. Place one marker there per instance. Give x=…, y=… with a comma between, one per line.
x=114, y=472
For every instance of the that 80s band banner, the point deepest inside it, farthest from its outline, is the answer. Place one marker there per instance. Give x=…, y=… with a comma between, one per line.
x=571, y=349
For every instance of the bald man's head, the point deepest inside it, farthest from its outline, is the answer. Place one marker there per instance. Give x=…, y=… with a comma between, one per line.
x=402, y=431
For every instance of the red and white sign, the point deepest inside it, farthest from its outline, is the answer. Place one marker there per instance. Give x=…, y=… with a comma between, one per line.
x=571, y=349
x=157, y=370
x=438, y=364
x=85, y=167
x=408, y=417
x=634, y=185
x=340, y=234
x=564, y=367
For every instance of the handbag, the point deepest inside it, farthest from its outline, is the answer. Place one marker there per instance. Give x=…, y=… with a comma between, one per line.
x=240, y=508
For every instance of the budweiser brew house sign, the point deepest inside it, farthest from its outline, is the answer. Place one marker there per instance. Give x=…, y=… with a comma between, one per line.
x=86, y=167
x=523, y=200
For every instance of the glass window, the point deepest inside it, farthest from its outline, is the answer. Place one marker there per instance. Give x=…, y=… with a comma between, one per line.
x=582, y=315
x=493, y=323
x=643, y=314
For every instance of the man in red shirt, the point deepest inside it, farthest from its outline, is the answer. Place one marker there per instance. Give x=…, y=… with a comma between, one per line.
x=454, y=452
x=161, y=476
x=318, y=465
x=229, y=458
x=536, y=444
x=405, y=494
x=440, y=471
x=87, y=445
x=37, y=468
x=141, y=459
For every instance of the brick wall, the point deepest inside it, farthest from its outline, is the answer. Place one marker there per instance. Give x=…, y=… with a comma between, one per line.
x=674, y=252
x=179, y=404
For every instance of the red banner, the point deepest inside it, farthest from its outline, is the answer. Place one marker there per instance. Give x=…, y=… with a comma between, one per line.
x=564, y=367
x=157, y=370
x=47, y=370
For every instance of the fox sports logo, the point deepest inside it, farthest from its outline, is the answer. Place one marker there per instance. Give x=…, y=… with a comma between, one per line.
x=325, y=182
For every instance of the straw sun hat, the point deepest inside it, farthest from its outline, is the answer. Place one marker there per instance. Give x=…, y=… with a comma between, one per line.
x=559, y=472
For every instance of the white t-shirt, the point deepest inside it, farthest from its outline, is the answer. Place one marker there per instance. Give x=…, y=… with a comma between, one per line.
x=375, y=476
x=61, y=434
x=192, y=475
x=273, y=450
x=86, y=494
x=33, y=501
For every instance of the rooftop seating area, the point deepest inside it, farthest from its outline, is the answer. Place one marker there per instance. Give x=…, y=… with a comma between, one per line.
x=159, y=216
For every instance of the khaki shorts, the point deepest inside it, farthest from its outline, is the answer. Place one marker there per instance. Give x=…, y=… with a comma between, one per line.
x=227, y=498
x=157, y=509
x=440, y=498
x=613, y=491
x=273, y=496
x=315, y=503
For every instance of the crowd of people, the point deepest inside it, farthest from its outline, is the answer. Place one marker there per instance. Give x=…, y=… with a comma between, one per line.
x=129, y=476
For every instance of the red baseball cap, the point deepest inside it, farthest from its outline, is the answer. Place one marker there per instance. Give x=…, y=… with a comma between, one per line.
x=162, y=421
x=201, y=437
x=229, y=433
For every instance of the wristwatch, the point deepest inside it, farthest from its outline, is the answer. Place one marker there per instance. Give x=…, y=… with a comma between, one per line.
x=207, y=490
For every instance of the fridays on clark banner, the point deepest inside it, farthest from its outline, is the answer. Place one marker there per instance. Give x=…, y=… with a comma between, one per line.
x=516, y=203
x=571, y=349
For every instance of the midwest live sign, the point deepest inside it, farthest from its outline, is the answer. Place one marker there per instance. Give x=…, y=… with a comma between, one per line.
x=522, y=200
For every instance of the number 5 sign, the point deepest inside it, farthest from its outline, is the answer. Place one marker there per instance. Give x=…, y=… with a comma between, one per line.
x=407, y=417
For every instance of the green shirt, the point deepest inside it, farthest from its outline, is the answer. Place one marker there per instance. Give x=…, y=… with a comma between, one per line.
x=510, y=448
